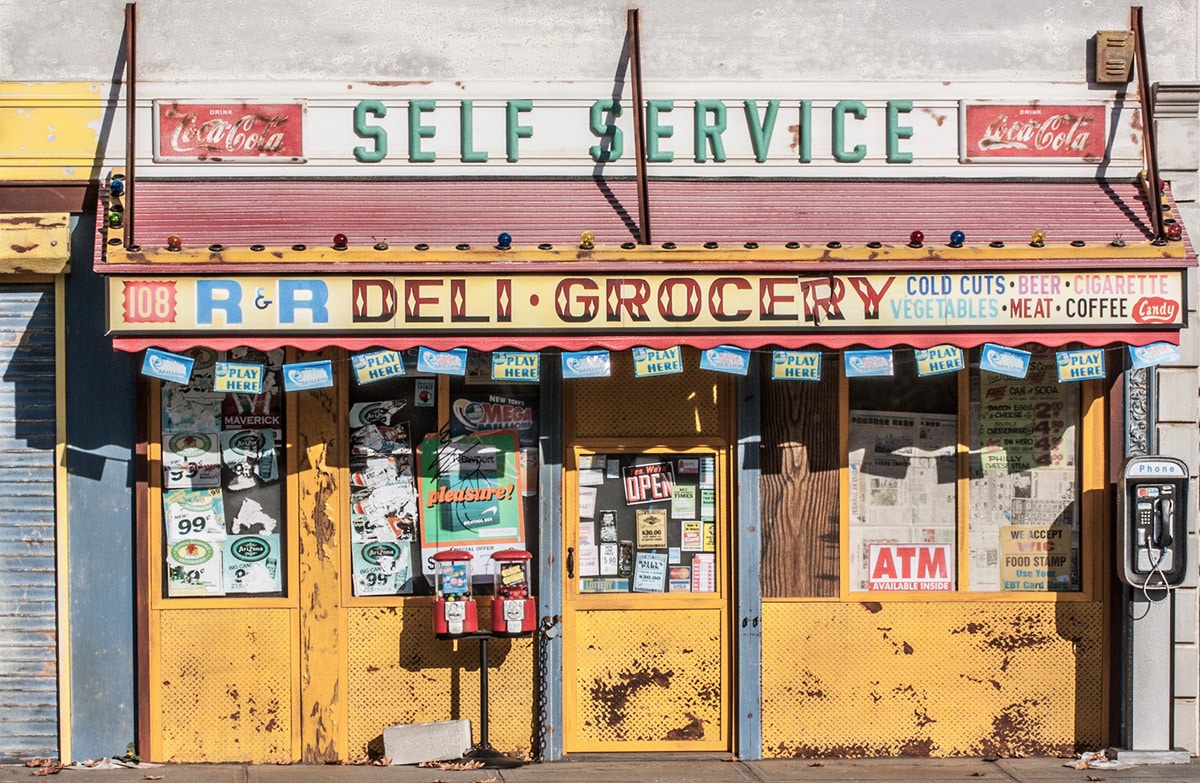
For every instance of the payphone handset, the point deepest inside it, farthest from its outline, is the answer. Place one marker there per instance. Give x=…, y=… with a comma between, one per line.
x=1153, y=527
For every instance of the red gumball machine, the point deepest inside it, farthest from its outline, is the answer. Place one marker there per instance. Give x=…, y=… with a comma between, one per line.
x=453, y=605
x=513, y=612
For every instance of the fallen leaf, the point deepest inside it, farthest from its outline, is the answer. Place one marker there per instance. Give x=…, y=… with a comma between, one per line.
x=978, y=774
x=817, y=764
x=451, y=765
x=732, y=758
x=1094, y=777
x=151, y=777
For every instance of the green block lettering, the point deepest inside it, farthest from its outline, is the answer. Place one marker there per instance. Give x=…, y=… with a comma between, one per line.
x=707, y=134
x=374, y=132
x=612, y=141
x=760, y=133
x=804, y=142
x=516, y=130
x=840, y=153
x=417, y=131
x=466, y=124
x=896, y=131
x=655, y=131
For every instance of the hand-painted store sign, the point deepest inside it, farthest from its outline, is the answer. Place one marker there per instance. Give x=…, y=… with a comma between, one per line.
x=1033, y=130
x=433, y=128
x=652, y=302
x=217, y=132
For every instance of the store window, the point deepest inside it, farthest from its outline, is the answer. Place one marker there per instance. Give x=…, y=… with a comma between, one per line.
x=222, y=482
x=912, y=470
x=436, y=463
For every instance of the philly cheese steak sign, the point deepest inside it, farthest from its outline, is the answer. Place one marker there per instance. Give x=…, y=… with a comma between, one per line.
x=652, y=302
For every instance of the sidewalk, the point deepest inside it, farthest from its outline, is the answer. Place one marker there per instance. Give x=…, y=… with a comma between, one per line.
x=635, y=769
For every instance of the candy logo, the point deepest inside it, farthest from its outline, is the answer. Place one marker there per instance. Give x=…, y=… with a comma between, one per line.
x=373, y=552
x=192, y=552
x=250, y=549
x=1155, y=310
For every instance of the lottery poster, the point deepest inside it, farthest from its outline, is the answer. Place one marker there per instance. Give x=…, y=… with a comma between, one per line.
x=652, y=522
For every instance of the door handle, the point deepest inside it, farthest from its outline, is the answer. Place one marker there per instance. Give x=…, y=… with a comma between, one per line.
x=570, y=562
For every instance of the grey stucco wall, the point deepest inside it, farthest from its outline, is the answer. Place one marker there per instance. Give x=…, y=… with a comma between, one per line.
x=788, y=40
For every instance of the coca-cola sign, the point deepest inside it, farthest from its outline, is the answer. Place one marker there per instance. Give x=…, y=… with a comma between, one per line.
x=216, y=132
x=1033, y=131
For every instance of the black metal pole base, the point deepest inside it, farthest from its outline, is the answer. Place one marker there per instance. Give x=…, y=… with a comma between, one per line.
x=492, y=758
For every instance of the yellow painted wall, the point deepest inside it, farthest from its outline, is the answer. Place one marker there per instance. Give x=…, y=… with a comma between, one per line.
x=51, y=131
x=931, y=679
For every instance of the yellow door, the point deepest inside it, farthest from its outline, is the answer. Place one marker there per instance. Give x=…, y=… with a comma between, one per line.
x=646, y=623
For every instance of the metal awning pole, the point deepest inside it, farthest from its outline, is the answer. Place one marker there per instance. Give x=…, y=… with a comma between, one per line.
x=1149, y=142
x=633, y=34
x=130, y=114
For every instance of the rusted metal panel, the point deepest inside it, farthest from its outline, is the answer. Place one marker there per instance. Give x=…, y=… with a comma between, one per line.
x=229, y=697
x=397, y=672
x=28, y=638
x=34, y=244
x=932, y=679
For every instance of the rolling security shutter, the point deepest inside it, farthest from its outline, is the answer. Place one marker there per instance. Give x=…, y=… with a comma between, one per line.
x=28, y=637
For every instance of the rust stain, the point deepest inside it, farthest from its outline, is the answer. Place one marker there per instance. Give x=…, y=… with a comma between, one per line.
x=1014, y=733
x=874, y=607
x=917, y=747
x=694, y=730
x=23, y=248
x=613, y=698
x=795, y=131
x=938, y=118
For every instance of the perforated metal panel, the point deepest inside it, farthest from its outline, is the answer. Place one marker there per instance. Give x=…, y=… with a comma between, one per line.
x=935, y=679
x=399, y=673
x=648, y=676
x=686, y=405
x=226, y=685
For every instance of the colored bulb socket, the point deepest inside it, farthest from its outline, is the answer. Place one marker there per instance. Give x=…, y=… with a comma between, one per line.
x=504, y=241
x=174, y=243
x=587, y=240
x=957, y=238
x=916, y=238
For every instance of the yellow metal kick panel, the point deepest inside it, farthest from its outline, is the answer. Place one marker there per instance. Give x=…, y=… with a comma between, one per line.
x=226, y=685
x=934, y=679
x=683, y=405
x=399, y=673
x=648, y=677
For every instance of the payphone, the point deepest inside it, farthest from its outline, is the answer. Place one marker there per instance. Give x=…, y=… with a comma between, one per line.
x=1152, y=508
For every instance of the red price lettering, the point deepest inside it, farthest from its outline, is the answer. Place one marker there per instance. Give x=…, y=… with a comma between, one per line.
x=150, y=302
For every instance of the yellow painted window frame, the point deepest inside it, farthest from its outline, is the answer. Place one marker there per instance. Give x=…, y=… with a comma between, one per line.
x=1093, y=503
x=154, y=517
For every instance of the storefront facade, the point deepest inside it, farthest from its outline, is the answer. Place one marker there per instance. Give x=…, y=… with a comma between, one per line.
x=811, y=426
